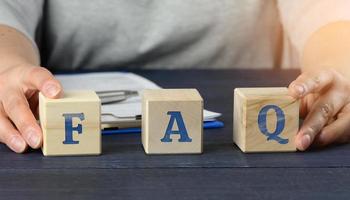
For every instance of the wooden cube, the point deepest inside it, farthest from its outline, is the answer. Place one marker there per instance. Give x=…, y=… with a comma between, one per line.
x=172, y=121
x=265, y=119
x=71, y=125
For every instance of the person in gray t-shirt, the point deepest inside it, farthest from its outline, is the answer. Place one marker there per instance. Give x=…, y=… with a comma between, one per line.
x=111, y=34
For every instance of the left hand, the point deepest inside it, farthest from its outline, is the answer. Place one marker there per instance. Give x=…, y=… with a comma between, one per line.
x=325, y=101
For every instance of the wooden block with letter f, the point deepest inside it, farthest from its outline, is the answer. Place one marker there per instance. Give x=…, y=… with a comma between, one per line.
x=71, y=125
x=265, y=119
x=172, y=121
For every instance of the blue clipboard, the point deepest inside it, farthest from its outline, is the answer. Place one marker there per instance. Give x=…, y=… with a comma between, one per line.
x=206, y=125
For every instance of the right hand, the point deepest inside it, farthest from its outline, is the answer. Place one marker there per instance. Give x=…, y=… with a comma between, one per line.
x=19, y=88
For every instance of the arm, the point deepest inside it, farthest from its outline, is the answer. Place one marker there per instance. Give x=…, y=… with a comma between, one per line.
x=21, y=79
x=329, y=47
x=15, y=49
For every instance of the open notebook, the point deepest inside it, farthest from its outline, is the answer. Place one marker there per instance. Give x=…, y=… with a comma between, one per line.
x=123, y=114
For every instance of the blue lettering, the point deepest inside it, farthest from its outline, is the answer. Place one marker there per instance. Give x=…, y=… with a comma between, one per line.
x=176, y=116
x=69, y=127
x=279, y=127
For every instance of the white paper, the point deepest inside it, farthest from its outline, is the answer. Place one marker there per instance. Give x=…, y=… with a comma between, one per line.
x=104, y=81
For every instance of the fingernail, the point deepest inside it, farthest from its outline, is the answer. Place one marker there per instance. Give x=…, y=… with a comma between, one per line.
x=33, y=139
x=305, y=141
x=52, y=90
x=17, y=144
x=300, y=89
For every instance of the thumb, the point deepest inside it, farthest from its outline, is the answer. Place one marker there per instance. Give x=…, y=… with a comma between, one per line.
x=39, y=78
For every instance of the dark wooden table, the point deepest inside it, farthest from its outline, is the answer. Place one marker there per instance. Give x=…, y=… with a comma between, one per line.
x=221, y=172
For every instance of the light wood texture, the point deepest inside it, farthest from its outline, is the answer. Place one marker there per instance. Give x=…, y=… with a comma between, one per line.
x=248, y=103
x=156, y=105
x=53, y=123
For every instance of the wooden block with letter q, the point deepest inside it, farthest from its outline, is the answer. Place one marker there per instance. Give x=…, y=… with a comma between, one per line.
x=265, y=119
x=71, y=125
x=172, y=121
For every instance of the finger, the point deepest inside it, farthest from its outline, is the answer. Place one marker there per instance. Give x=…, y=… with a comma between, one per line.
x=323, y=110
x=344, y=111
x=311, y=83
x=9, y=135
x=17, y=109
x=39, y=78
x=306, y=104
x=34, y=104
x=338, y=131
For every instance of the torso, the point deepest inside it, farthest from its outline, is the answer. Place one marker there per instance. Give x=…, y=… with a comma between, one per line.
x=109, y=34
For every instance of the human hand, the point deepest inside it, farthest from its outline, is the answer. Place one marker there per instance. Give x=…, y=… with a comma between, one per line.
x=19, y=87
x=325, y=104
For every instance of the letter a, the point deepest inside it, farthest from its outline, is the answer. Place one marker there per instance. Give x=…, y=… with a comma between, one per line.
x=176, y=116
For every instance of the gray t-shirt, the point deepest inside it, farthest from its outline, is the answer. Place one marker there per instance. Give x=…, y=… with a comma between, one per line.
x=112, y=34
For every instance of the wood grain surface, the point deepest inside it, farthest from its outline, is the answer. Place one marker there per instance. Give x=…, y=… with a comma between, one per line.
x=124, y=171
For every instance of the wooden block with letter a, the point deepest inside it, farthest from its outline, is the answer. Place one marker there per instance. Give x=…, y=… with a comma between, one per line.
x=71, y=125
x=265, y=119
x=172, y=121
